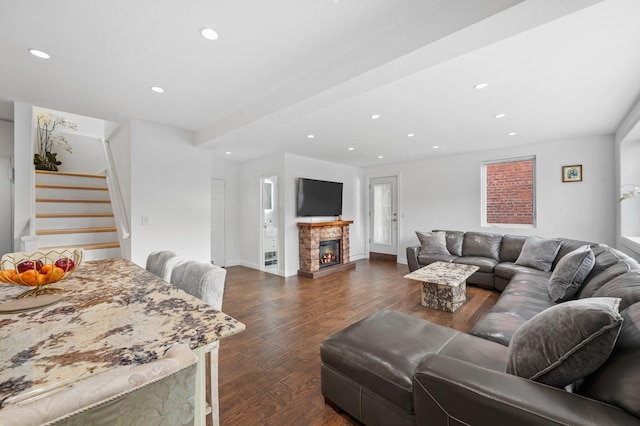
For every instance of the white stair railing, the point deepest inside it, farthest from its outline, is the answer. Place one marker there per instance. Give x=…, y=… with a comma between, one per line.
x=117, y=201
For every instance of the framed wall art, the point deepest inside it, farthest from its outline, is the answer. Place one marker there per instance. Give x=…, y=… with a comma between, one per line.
x=572, y=173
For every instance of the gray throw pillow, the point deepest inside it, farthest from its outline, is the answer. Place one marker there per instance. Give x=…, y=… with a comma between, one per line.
x=569, y=274
x=433, y=242
x=566, y=342
x=539, y=252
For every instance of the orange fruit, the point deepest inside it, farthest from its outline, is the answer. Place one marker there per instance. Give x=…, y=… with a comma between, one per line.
x=30, y=277
x=43, y=278
x=8, y=276
x=56, y=274
x=46, y=268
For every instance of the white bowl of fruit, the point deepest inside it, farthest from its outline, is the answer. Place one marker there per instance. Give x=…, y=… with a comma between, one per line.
x=39, y=269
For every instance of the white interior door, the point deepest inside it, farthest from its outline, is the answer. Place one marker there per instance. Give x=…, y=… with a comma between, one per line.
x=6, y=206
x=217, y=222
x=383, y=210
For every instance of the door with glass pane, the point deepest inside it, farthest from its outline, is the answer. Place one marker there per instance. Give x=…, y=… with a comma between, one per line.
x=384, y=215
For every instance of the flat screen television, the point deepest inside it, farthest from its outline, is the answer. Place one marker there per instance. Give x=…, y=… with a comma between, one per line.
x=319, y=197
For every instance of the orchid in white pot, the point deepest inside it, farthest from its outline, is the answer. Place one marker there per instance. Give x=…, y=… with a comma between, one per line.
x=47, y=137
x=629, y=191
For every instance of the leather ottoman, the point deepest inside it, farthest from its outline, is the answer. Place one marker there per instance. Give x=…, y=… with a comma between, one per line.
x=368, y=367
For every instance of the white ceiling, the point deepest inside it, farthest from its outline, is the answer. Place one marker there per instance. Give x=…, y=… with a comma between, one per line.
x=283, y=69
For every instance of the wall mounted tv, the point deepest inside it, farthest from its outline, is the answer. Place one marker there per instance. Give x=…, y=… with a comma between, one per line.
x=319, y=198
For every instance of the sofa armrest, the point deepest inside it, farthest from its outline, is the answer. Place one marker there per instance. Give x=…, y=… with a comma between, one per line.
x=412, y=258
x=446, y=388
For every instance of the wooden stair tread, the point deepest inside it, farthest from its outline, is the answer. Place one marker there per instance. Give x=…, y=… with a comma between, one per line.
x=58, y=200
x=89, y=175
x=74, y=231
x=60, y=215
x=84, y=188
x=86, y=246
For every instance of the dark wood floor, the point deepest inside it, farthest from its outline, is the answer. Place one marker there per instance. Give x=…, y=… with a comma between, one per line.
x=270, y=373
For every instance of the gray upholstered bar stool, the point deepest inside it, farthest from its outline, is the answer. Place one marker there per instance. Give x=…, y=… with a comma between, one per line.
x=162, y=262
x=206, y=282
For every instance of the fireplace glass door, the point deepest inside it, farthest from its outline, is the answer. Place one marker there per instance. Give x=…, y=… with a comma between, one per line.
x=329, y=253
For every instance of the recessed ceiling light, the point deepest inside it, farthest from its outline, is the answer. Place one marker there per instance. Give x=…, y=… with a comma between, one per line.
x=351, y=148
x=374, y=116
x=436, y=147
x=480, y=86
x=228, y=152
x=39, y=54
x=380, y=156
x=157, y=89
x=209, y=33
x=310, y=136
x=410, y=135
x=512, y=134
x=501, y=115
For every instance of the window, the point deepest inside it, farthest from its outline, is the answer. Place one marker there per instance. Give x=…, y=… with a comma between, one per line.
x=629, y=181
x=508, y=194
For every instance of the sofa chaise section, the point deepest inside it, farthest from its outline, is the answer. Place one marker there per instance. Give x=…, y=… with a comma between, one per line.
x=391, y=368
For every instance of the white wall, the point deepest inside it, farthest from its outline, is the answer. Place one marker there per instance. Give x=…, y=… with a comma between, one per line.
x=445, y=192
x=24, y=176
x=86, y=156
x=229, y=171
x=250, y=212
x=171, y=185
x=6, y=188
x=352, y=204
x=288, y=167
x=6, y=138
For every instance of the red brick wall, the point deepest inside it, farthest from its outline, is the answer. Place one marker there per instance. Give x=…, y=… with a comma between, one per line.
x=510, y=192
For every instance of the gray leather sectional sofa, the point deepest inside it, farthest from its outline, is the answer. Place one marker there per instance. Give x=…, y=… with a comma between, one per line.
x=395, y=369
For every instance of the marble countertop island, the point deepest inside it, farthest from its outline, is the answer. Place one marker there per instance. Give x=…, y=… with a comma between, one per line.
x=112, y=313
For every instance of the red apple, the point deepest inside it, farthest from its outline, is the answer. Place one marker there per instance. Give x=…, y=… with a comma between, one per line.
x=25, y=266
x=39, y=265
x=65, y=264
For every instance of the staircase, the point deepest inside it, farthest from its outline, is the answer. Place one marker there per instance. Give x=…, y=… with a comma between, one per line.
x=74, y=210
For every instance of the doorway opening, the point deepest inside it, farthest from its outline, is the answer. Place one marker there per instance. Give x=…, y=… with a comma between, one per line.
x=383, y=208
x=269, y=195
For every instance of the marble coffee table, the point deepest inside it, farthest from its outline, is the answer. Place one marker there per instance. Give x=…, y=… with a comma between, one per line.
x=444, y=284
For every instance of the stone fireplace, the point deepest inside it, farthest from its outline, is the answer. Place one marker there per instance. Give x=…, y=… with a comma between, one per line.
x=324, y=248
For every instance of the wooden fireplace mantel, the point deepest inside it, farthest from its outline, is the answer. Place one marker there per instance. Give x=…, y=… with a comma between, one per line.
x=317, y=224
x=310, y=234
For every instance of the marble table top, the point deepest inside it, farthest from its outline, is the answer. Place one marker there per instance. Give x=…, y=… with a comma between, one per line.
x=443, y=273
x=112, y=313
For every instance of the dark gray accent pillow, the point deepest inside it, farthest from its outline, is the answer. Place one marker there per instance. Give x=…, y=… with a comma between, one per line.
x=432, y=242
x=454, y=241
x=565, y=342
x=569, y=274
x=539, y=252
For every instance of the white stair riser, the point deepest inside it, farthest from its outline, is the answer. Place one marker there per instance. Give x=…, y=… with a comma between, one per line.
x=71, y=194
x=73, y=208
x=76, y=239
x=69, y=180
x=74, y=222
x=97, y=254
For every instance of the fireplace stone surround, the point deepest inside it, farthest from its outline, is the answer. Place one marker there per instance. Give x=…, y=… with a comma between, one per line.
x=310, y=236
